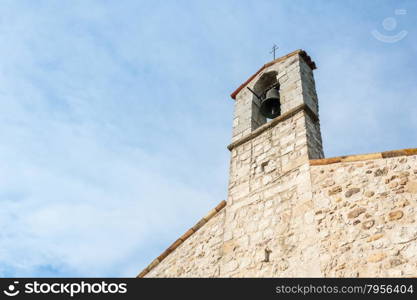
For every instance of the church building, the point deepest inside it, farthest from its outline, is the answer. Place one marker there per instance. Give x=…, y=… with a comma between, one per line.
x=290, y=212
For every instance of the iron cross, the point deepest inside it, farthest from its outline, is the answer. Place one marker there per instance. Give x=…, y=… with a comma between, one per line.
x=274, y=48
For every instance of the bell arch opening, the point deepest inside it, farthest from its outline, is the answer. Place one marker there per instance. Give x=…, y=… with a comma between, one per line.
x=266, y=81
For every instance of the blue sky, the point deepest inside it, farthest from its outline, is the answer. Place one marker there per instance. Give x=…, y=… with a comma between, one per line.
x=115, y=115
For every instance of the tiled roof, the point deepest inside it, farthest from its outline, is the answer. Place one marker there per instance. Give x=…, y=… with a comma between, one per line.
x=361, y=157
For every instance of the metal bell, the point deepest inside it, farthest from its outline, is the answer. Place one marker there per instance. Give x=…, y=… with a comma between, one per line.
x=270, y=106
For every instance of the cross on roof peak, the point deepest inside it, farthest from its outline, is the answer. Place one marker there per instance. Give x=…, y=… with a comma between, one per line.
x=274, y=48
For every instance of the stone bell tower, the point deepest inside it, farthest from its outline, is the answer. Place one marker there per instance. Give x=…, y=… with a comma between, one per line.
x=269, y=186
x=289, y=211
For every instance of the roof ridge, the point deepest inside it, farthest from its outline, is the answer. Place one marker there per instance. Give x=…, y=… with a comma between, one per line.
x=302, y=53
x=362, y=157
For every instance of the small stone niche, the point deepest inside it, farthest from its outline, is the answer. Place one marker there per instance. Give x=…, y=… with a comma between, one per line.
x=267, y=254
x=264, y=165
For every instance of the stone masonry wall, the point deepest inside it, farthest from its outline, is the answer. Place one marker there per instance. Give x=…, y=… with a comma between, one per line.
x=314, y=141
x=350, y=219
x=269, y=195
x=198, y=256
x=365, y=216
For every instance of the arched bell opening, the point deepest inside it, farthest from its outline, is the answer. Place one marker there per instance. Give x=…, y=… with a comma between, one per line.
x=265, y=99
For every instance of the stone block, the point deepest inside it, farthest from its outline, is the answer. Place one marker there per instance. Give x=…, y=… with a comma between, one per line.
x=395, y=215
x=377, y=257
x=356, y=212
x=411, y=187
x=351, y=192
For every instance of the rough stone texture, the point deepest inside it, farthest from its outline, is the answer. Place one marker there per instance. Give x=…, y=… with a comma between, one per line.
x=269, y=197
x=372, y=232
x=198, y=256
x=313, y=233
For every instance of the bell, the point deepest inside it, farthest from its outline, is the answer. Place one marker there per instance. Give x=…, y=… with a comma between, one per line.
x=270, y=106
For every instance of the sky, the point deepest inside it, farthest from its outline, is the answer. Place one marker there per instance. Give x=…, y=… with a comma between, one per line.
x=115, y=115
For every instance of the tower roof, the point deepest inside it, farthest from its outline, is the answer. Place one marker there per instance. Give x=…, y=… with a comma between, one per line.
x=301, y=52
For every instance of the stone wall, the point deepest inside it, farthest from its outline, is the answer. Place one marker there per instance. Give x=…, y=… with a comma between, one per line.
x=198, y=256
x=365, y=216
x=269, y=195
x=349, y=219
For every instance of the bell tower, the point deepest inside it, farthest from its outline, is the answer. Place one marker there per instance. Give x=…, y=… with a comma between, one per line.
x=292, y=77
x=270, y=189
